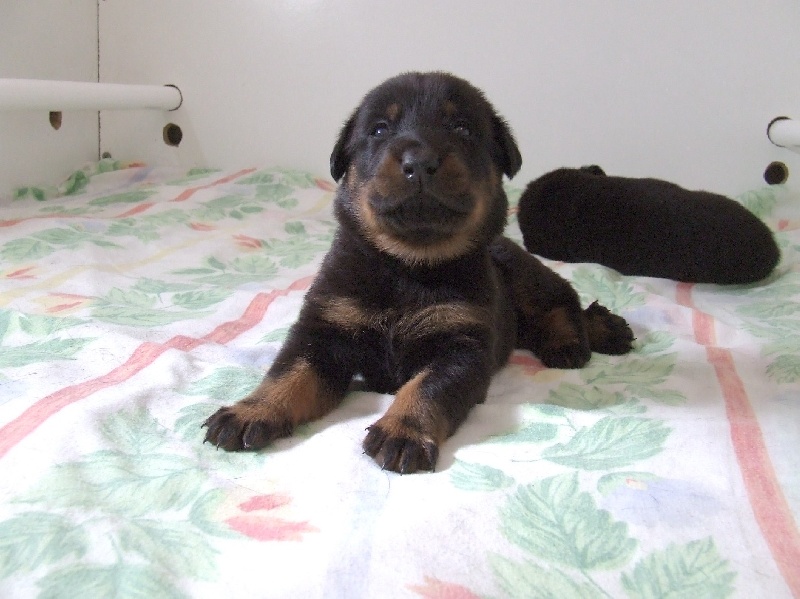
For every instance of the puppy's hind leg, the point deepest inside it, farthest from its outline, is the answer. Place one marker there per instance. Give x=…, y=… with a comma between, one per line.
x=550, y=320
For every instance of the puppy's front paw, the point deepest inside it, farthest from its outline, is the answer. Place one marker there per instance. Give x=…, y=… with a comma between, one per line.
x=404, y=449
x=272, y=410
x=234, y=428
x=608, y=333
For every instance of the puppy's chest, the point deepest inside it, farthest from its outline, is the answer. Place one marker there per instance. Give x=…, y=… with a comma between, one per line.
x=403, y=321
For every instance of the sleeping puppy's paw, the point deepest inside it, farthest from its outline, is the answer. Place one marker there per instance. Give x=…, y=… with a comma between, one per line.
x=608, y=333
x=233, y=429
x=404, y=449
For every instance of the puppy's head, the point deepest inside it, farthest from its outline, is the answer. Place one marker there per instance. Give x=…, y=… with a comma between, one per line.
x=422, y=160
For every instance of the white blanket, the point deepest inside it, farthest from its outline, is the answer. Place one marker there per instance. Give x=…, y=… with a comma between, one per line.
x=135, y=301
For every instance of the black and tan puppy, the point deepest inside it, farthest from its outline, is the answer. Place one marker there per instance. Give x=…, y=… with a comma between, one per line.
x=645, y=227
x=419, y=295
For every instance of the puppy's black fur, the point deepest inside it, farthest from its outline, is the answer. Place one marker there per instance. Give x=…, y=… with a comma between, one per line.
x=644, y=227
x=420, y=295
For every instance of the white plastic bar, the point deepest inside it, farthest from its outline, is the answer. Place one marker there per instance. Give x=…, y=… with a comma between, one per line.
x=36, y=94
x=785, y=132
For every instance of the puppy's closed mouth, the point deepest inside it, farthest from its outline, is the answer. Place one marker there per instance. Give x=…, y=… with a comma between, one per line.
x=422, y=217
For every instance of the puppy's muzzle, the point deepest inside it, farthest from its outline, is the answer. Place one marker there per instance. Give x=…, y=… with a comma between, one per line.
x=422, y=192
x=420, y=177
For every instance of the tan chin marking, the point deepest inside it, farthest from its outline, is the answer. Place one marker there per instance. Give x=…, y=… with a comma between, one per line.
x=461, y=242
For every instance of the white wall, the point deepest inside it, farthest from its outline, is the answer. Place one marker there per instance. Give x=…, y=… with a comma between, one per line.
x=681, y=90
x=46, y=39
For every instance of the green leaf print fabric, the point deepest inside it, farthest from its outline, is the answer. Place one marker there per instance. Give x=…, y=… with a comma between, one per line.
x=135, y=300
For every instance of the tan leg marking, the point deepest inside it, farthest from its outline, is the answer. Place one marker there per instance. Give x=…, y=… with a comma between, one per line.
x=411, y=415
x=298, y=396
x=407, y=437
x=272, y=411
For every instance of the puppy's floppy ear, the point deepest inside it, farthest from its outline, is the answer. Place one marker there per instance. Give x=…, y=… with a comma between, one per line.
x=510, y=159
x=340, y=157
x=593, y=169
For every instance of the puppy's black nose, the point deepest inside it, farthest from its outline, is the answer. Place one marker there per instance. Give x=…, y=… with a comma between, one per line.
x=419, y=164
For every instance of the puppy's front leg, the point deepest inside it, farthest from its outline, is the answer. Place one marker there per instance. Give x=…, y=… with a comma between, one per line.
x=428, y=408
x=305, y=383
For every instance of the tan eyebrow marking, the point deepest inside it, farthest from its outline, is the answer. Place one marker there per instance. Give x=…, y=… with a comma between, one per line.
x=393, y=111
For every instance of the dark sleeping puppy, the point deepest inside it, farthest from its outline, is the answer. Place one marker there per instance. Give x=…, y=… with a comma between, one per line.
x=644, y=227
x=419, y=295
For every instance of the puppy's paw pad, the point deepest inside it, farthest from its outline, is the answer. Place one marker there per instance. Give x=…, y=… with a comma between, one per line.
x=232, y=432
x=405, y=453
x=609, y=333
x=617, y=344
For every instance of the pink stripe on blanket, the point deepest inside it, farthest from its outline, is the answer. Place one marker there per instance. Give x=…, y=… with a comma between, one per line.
x=19, y=428
x=228, y=331
x=55, y=215
x=769, y=504
x=186, y=194
x=143, y=207
x=770, y=508
x=144, y=355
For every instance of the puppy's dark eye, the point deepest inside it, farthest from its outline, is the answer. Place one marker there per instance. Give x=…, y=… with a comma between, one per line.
x=462, y=128
x=380, y=129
